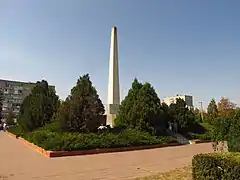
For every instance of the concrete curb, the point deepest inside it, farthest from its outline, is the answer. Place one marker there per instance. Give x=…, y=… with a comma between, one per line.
x=109, y=150
x=198, y=141
x=52, y=154
x=12, y=135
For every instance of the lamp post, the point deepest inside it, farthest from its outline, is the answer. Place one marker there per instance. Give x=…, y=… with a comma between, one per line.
x=201, y=105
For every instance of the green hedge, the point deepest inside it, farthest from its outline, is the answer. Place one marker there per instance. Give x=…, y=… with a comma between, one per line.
x=224, y=166
x=202, y=131
x=17, y=130
x=76, y=141
x=206, y=136
x=50, y=138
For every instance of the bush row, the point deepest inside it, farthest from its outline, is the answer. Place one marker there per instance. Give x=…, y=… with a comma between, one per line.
x=206, y=136
x=17, y=130
x=57, y=141
x=216, y=166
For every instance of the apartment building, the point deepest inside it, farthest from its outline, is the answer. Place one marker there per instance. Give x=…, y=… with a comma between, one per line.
x=172, y=99
x=14, y=93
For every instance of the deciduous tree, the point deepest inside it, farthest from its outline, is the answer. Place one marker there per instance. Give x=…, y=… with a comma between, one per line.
x=226, y=107
x=234, y=133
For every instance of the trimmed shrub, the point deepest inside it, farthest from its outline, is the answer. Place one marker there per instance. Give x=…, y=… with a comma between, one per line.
x=78, y=141
x=206, y=136
x=53, y=127
x=225, y=166
x=17, y=130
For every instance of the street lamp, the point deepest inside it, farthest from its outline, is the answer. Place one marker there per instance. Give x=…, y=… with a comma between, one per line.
x=201, y=105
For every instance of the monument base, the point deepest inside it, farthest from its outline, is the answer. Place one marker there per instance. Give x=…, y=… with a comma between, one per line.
x=110, y=119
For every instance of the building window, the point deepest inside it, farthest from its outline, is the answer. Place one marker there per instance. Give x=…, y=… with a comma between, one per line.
x=171, y=101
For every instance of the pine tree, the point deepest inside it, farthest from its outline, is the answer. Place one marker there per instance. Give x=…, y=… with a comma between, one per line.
x=125, y=115
x=180, y=113
x=38, y=108
x=81, y=110
x=212, y=111
x=140, y=109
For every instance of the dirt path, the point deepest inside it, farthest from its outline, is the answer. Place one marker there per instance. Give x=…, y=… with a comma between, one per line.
x=19, y=162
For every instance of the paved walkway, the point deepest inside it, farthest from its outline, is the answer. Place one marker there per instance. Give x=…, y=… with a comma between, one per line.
x=19, y=162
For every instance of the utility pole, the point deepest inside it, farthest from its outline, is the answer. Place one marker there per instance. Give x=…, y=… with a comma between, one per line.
x=201, y=105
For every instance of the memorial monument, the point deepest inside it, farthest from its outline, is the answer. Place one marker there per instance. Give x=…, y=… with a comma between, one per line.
x=113, y=80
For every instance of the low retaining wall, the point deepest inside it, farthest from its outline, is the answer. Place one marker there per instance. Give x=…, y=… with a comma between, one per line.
x=108, y=150
x=52, y=154
x=33, y=146
x=12, y=135
x=197, y=141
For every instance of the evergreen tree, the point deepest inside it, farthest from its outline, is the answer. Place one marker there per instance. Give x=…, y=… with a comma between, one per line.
x=234, y=133
x=81, y=110
x=166, y=112
x=212, y=111
x=140, y=109
x=221, y=128
x=198, y=115
x=181, y=114
x=38, y=108
x=124, y=115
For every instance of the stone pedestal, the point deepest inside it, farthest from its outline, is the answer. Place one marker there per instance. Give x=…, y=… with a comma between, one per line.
x=110, y=119
x=112, y=110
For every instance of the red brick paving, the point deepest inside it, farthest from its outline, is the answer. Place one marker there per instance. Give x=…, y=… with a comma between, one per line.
x=19, y=162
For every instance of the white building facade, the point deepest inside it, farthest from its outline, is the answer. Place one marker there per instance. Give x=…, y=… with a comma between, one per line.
x=172, y=99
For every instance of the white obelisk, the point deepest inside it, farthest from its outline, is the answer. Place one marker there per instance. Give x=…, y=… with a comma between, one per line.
x=113, y=80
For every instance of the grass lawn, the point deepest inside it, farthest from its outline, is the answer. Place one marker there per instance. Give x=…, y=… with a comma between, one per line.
x=177, y=174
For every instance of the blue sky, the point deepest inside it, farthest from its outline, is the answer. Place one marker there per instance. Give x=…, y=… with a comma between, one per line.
x=184, y=47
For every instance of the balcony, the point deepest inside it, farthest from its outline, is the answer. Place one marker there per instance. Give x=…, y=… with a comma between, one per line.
x=6, y=92
x=5, y=105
